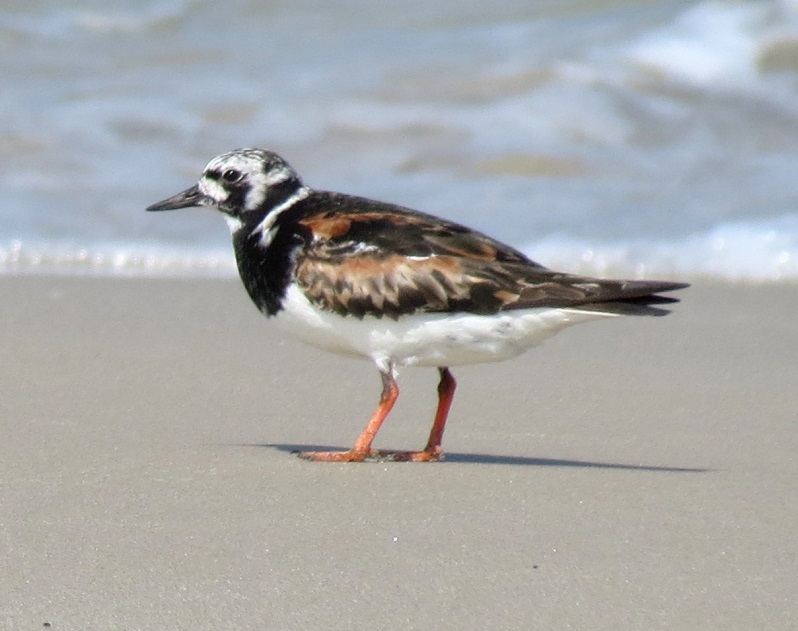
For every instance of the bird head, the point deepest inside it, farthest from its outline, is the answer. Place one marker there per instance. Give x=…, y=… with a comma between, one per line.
x=239, y=183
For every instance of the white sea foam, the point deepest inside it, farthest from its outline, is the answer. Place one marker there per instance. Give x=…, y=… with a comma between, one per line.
x=123, y=260
x=717, y=42
x=600, y=126
x=744, y=251
x=712, y=41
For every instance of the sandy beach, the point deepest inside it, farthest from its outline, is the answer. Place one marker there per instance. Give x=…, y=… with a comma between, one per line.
x=639, y=473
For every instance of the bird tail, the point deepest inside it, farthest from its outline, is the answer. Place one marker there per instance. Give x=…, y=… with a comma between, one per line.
x=637, y=298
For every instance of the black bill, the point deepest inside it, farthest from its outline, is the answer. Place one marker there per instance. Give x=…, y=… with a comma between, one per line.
x=186, y=199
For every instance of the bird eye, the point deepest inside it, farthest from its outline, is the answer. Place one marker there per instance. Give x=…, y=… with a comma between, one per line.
x=231, y=175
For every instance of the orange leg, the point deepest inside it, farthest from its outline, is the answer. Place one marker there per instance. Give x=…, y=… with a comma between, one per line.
x=362, y=448
x=433, y=451
x=390, y=392
x=446, y=388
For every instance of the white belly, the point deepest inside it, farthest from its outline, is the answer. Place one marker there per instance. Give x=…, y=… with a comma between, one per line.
x=429, y=339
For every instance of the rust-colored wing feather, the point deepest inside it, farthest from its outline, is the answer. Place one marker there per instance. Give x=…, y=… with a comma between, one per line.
x=391, y=261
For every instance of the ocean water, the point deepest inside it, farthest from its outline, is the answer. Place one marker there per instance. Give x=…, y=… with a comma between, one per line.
x=641, y=138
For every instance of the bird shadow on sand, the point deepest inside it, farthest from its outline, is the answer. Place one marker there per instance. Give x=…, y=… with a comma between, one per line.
x=523, y=461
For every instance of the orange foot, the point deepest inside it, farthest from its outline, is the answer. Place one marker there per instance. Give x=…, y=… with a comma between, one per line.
x=335, y=456
x=381, y=455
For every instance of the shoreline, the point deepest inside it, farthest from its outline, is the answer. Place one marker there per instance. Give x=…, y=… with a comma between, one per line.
x=636, y=472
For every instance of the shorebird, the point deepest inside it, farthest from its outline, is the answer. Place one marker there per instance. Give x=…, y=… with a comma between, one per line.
x=400, y=287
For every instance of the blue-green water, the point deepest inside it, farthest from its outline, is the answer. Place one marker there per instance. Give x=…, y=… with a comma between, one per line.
x=638, y=138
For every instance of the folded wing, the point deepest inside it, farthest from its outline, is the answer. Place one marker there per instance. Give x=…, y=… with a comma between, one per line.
x=401, y=262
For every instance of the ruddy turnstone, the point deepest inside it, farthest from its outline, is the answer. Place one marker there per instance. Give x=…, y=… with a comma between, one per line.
x=370, y=279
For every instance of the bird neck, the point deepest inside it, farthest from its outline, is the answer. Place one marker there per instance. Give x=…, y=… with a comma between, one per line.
x=265, y=249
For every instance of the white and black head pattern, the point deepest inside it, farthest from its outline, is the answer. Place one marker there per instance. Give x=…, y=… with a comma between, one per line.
x=247, y=185
x=241, y=181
